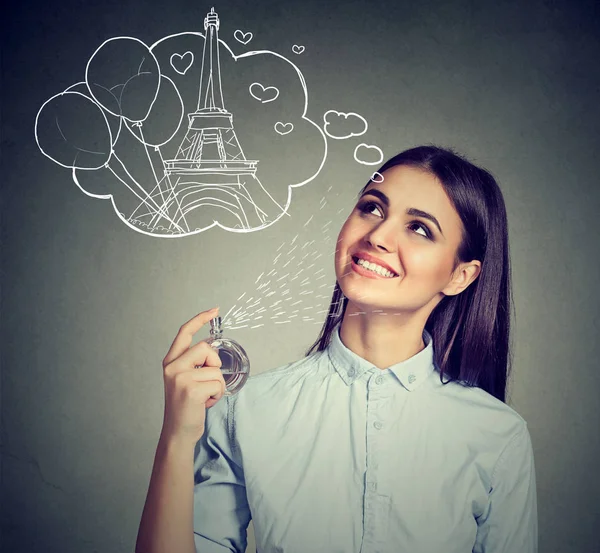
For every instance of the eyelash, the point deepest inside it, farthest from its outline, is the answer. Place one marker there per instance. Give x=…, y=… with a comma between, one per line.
x=367, y=208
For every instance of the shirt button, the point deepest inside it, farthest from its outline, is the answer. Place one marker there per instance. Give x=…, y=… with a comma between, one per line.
x=378, y=425
x=379, y=380
x=351, y=372
x=411, y=378
x=372, y=486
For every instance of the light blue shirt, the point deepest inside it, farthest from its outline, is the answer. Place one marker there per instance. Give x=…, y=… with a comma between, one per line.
x=331, y=454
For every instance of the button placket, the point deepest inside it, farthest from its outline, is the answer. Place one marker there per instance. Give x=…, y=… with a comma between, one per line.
x=375, y=512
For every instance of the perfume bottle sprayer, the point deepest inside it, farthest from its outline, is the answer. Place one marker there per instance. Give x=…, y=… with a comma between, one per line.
x=235, y=365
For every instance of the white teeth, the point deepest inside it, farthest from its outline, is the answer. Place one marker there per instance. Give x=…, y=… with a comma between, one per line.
x=375, y=268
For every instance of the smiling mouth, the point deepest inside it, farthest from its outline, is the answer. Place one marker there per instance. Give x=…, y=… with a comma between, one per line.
x=373, y=268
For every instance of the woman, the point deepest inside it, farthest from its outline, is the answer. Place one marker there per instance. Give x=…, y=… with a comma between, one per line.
x=392, y=434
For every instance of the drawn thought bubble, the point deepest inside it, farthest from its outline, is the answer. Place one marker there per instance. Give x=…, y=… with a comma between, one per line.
x=341, y=125
x=368, y=154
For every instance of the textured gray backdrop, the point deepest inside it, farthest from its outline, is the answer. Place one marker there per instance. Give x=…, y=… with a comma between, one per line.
x=89, y=307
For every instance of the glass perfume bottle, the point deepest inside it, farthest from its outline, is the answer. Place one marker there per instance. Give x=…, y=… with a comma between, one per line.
x=235, y=365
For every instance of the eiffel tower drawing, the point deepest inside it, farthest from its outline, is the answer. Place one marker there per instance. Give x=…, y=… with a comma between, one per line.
x=210, y=177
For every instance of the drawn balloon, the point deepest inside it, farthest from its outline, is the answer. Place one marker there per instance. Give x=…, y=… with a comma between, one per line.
x=115, y=123
x=73, y=131
x=123, y=76
x=165, y=116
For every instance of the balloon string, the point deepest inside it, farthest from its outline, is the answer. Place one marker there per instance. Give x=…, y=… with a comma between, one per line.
x=171, y=188
x=149, y=161
x=148, y=197
x=172, y=194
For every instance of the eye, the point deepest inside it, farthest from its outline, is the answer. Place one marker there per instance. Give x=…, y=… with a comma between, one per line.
x=421, y=226
x=369, y=207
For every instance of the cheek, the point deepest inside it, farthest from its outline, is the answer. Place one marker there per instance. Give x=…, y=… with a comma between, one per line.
x=427, y=265
x=344, y=239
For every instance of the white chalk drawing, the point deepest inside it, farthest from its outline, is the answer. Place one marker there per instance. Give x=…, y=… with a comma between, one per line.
x=297, y=49
x=263, y=94
x=341, y=125
x=377, y=177
x=283, y=128
x=166, y=153
x=368, y=154
x=182, y=62
x=242, y=37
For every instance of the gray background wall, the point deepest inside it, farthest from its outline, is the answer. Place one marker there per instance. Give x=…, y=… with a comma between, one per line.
x=89, y=307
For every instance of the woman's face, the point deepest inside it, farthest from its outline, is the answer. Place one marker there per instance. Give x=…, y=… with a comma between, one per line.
x=407, y=225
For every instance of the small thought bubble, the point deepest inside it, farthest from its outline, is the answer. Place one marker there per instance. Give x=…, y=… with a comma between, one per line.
x=368, y=154
x=341, y=125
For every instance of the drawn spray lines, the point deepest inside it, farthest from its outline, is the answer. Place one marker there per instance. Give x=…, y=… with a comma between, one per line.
x=295, y=262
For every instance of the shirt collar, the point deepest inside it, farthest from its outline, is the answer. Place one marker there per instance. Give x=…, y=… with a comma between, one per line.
x=410, y=372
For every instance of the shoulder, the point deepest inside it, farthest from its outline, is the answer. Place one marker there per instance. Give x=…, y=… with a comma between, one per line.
x=280, y=383
x=288, y=373
x=473, y=399
x=482, y=416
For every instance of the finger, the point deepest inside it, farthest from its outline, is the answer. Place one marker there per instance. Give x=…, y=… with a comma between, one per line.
x=198, y=355
x=203, y=383
x=186, y=333
x=205, y=376
x=214, y=392
x=201, y=392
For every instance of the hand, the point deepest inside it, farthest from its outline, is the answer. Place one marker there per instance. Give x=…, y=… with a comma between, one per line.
x=193, y=382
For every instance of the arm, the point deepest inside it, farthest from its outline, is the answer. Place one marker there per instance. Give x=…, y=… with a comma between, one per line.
x=193, y=383
x=167, y=519
x=509, y=524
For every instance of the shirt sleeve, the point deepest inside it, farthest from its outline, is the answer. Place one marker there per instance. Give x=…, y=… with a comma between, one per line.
x=221, y=511
x=509, y=523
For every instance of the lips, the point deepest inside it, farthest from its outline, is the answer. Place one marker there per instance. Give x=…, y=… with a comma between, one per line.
x=372, y=259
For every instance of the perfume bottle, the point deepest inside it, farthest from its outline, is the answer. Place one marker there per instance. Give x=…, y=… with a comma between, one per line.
x=235, y=365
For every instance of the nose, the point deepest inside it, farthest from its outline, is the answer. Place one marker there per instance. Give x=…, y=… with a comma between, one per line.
x=382, y=237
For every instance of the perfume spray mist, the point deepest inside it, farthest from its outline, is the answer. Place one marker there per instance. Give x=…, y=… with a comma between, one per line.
x=235, y=365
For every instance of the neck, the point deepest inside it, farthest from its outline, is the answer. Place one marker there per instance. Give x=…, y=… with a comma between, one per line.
x=382, y=340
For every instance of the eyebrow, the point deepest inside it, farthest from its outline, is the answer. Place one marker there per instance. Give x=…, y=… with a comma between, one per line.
x=413, y=211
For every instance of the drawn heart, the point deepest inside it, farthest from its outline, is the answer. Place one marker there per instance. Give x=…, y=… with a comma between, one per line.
x=283, y=128
x=182, y=62
x=242, y=37
x=297, y=49
x=262, y=94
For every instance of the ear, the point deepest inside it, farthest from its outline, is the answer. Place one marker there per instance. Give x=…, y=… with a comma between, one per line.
x=463, y=275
